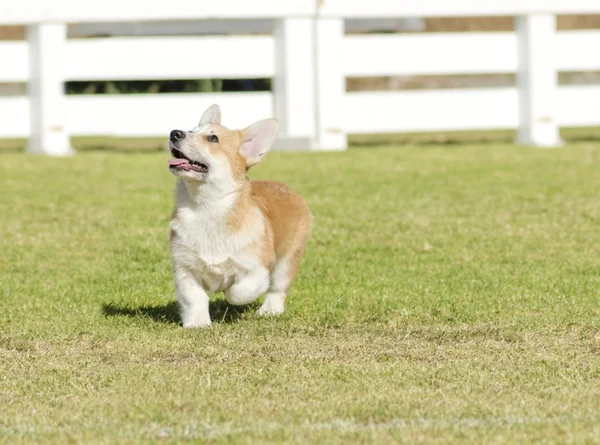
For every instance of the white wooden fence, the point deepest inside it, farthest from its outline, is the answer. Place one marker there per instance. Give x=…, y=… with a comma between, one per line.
x=309, y=57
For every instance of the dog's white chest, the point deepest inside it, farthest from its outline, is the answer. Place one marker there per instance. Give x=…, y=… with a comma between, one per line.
x=214, y=273
x=214, y=255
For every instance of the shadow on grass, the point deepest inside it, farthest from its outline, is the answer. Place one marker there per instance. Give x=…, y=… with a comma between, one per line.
x=220, y=312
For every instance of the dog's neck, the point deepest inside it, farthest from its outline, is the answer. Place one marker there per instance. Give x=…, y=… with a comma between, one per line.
x=211, y=195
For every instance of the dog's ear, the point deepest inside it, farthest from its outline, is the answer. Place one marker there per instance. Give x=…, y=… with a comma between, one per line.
x=257, y=139
x=212, y=115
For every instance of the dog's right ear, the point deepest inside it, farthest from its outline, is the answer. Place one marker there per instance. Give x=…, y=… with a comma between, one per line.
x=212, y=115
x=258, y=139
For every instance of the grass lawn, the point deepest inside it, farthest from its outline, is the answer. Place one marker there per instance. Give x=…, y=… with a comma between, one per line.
x=448, y=294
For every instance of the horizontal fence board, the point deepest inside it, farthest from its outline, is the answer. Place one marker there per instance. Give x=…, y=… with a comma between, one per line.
x=430, y=110
x=365, y=112
x=138, y=58
x=577, y=106
x=576, y=50
x=140, y=115
x=433, y=53
x=72, y=11
x=142, y=58
x=35, y=11
x=459, y=53
x=15, y=117
x=455, y=8
x=157, y=115
x=14, y=65
x=470, y=109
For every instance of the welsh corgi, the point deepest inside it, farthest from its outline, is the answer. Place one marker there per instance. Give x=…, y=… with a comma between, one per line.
x=230, y=234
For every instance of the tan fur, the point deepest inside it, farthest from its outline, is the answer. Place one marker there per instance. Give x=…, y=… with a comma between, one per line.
x=287, y=214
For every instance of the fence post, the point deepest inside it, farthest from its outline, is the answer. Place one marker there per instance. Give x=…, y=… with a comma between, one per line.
x=331, y=84
x=45, y=88
x=293, y=86
x=537, y=80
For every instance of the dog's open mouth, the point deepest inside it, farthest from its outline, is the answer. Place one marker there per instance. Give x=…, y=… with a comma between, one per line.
x=181, y=162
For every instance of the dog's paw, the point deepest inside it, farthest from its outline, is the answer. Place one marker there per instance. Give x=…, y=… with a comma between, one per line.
x=200, y=323
x=273, y=304
x=269, y=312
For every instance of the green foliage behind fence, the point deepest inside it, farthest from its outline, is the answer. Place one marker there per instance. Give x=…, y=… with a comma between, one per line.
x=167, y=86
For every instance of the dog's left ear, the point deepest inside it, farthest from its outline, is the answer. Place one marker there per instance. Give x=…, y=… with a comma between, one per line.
x=257, y=139
x=212, y=115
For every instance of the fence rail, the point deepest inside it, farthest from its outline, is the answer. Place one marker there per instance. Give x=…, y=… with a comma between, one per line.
x=154, y=58
x=308, y=56
x=460, y=8
x=25, y=12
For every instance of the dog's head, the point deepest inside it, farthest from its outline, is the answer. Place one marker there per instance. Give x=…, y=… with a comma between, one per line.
x=213, y=153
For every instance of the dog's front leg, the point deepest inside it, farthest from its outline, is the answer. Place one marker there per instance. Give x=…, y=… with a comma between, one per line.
x=248, y=288
x=192, y=299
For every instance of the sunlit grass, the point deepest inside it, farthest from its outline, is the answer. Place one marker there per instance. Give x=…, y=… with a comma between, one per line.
x=448, y=294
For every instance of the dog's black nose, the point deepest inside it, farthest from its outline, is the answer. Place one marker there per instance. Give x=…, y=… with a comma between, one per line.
x=177, y=135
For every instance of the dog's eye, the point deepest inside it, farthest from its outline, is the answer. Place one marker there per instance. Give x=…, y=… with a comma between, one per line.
x=212, y=138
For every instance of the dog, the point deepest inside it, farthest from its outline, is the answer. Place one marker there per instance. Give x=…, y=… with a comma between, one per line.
x=230, y=234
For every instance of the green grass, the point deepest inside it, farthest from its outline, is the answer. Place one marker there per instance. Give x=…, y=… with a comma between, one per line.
x=449, y=294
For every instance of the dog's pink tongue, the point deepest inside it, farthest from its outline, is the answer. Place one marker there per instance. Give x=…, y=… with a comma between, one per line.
x=181, y=163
